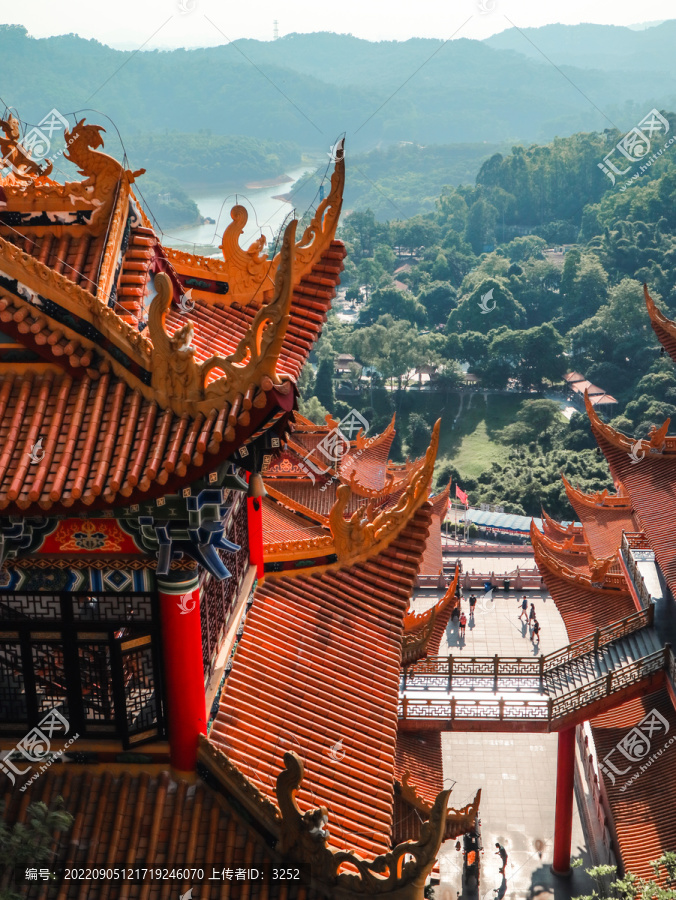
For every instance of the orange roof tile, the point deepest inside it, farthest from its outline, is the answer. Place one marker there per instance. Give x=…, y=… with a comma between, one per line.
x=281, y=524
x=103, y=444
x=317, y=670
x=583, y=607
x=643, y=809
x=649, y=477
x=603, y=521
x=141, y=820
x=418, y=756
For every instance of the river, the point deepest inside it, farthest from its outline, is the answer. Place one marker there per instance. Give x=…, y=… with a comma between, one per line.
x=265, y=213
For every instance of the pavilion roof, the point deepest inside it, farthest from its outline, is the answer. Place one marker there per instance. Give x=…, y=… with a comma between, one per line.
x=647, y=469
x=321, y=656
x=588, y=595
x=559, y=532
x=642, y=810
x=115, y=413
x=135, y=819
x=603, y=516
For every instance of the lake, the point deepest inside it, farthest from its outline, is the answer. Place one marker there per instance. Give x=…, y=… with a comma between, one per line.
x=265, y=213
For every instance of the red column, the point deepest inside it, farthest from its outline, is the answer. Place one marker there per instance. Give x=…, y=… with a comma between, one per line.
x=183, y=668
x=254, y=518
x=565, y=794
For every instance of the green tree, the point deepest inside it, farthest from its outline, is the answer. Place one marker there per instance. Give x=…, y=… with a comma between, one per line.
x=488, y=306
x=313, y=410
x=324, y=383
x=630, y=886
x=392, y=301
x=369, y=273
x=417, y=434
x=28, y=844
x=480, y=228
x=438, y=298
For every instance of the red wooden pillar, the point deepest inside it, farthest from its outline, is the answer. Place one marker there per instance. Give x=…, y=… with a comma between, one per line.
x=254, y=519
x=565, y=794
x=183, y=668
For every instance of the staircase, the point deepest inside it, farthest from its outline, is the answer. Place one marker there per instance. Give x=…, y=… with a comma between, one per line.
x=538, y=694
x=583, y=670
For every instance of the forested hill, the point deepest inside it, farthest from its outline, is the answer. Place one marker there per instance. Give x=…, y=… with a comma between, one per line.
x=535, y=270
x=468, y=91
x=608, y=47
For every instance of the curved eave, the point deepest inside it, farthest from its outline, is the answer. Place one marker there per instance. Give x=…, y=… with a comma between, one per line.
x=248, y=275
x=663, y=327
x=368, y=532
x=599, y=499
x=104, y=447
x=571, y=530
x=656, y=445
x=543, y=557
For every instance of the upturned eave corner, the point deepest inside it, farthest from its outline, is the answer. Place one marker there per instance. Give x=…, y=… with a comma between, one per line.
x=367, y=532
x=655, y=443
x=180, y=381
x=304, y=838
x=249, y=274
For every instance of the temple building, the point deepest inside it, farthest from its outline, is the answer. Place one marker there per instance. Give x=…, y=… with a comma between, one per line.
x=613, y=578
x=207, y=675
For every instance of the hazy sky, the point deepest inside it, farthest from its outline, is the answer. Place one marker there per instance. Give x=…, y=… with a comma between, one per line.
x=183, y=23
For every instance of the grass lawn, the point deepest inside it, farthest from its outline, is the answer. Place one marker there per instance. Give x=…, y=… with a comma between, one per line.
x=470, y=445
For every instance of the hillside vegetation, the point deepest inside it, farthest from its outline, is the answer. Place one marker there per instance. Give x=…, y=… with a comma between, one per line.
x=475, y=286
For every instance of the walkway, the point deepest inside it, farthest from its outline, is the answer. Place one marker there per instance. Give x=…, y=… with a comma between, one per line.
x=536, y=694
x=517, y=772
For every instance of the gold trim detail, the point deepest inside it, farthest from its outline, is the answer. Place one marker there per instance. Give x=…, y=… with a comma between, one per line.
x=180, y=381
x=249, y=273
x=304, y=837
x=620, y=500
x=365, y=533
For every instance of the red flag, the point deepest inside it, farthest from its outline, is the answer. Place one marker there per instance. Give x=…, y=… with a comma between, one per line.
x=461, y=495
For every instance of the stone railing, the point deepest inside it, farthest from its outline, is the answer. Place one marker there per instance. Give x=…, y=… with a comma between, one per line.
x=635, y=549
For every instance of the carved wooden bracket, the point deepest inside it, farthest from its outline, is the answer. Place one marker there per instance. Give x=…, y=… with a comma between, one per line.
x=304, y=838
x=180, y=381
x=365, y=532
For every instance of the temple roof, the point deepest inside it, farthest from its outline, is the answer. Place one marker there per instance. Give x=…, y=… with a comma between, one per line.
x=327, y=645
x=295, y=506
x=139, y=819
x=647, y=469
x=603, y=516
x=128, y=383
x=558, y=532
x=588, y=593
x=643, y=811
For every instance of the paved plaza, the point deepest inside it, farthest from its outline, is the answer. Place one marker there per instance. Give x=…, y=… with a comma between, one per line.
x=516, y=772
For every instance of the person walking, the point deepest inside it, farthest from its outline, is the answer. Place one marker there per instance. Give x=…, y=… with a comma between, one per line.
x=524, y=608
x=502, y=853
x=535, y=632
x=531, y=614
x=472, y=604
x=463, y=623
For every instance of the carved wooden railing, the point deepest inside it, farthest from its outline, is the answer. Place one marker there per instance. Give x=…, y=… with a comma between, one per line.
x=634, y=543
x=437, y=670
x=548, y=709
x=608, y=684
x=600, y=638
